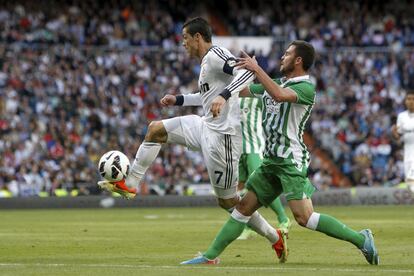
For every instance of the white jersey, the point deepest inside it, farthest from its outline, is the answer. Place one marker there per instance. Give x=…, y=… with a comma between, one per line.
x=405, y=126
x=217, y=74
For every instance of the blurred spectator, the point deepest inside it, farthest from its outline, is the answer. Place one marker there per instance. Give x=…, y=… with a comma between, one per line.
x=68, y=93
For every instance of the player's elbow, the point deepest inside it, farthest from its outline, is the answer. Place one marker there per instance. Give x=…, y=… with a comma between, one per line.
x=278, y=98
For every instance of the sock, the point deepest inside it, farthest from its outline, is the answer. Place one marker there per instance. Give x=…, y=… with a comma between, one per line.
x=334, y=228
x=242, y=192
x=146, y=154
x=279, y=210
x=263, y=228
x=230, y=210
x=228, y=233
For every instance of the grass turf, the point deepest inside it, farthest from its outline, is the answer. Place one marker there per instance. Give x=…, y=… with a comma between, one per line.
x=155, y=241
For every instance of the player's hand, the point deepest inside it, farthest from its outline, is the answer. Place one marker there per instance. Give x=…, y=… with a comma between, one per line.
x=247, y=62
x=216, y=105
x=168, y=100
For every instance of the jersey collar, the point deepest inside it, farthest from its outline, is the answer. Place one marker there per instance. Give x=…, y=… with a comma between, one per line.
x=295, y=79
x=212, y=46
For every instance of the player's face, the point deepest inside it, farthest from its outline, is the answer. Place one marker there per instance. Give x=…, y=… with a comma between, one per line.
x=409, y=102
x=287, y=62
x=190, y=43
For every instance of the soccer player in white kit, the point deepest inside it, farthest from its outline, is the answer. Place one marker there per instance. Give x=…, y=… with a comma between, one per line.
x=217, y=134
x=405, y=129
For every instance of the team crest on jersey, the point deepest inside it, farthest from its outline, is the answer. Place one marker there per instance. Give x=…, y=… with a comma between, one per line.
x=272, y=106
x=246, y=110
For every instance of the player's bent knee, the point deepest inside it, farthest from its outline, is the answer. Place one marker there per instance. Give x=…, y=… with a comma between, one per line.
x=156, y=132
x=244, y=208
x=227, y=203
x=301, y=219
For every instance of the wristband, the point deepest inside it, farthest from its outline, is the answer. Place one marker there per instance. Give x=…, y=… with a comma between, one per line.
x=226, y=94
x=179, y=100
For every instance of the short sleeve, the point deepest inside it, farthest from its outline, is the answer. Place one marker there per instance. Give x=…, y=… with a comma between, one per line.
x=256, y=89
x=305, y=92
x=221, y=59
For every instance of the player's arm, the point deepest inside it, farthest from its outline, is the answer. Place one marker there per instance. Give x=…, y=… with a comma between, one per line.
x=245, y=93
x=225, y=62
x=253, y=90
x=277, y=92
x=240, y=82
x=242, y=79
x=193, y=99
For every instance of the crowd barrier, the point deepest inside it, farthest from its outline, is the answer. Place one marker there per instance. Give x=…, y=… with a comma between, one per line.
x=340, y=197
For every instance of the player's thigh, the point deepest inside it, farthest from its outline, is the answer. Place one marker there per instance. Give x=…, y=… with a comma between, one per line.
x=184, y=130
x=296, y=185
x=254, y=160
x=222, y=153
x=265, y=183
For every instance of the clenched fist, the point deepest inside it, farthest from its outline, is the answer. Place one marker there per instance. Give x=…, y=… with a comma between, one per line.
x=168, y=100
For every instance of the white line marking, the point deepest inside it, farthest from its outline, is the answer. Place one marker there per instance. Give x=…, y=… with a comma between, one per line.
x=210, y=267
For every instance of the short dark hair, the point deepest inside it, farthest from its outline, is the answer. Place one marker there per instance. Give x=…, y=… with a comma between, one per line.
x=306, y=51
x=410, y=92
x=198, y=25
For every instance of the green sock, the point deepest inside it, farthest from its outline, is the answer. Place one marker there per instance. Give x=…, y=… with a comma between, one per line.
x=230, y=231
x=334, y=228
x=278, y=208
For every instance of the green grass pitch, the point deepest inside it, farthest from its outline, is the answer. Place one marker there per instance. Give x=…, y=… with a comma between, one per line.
x=155, y=241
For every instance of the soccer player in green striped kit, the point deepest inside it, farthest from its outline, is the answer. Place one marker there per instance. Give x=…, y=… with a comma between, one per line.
x=252, y=155
x=287, y=104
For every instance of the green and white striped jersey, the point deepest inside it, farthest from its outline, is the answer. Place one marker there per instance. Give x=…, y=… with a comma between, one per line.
x=284, y=123
x=251, y=123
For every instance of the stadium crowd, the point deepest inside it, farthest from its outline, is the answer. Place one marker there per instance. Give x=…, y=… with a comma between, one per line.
x=150, y=23
x=65, y=99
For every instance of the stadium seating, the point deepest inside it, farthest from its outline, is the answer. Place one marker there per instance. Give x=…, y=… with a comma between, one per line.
x=77, y=81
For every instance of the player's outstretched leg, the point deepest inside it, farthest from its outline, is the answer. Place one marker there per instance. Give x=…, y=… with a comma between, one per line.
x=146, y=154
x=334, y=228
x=233, y=228
x=200, y=259
x=368, y=249
x=127, y=188
x=118, y=187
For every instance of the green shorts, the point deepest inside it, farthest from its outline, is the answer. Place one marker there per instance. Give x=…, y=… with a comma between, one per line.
x=278, y=175
x=247, y=164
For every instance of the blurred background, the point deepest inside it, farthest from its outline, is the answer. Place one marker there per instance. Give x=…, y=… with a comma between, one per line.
x=80, y=78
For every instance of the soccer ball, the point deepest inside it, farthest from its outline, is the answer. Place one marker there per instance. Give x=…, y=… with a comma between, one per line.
x=114, y=166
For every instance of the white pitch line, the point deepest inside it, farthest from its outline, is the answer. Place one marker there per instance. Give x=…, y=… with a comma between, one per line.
x=212, y=267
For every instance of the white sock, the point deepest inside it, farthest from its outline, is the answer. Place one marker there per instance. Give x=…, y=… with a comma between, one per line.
x=263, y=228
x=239, y=216
x=313, y=221
x=146, y=154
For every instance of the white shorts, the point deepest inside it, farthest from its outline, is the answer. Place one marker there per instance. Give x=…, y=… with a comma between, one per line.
x=221, y=152
x=409, y=170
